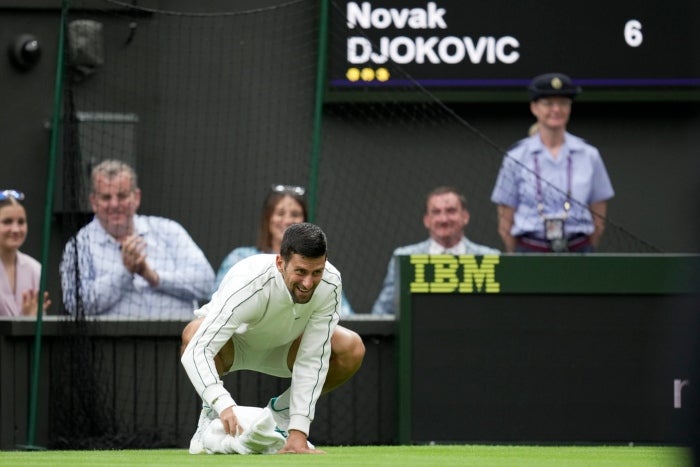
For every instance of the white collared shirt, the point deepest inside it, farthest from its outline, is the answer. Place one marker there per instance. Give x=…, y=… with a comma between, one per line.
x=107, y=289
x=436, y=249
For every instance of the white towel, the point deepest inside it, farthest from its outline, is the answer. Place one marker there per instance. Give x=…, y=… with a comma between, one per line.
x=256, y=434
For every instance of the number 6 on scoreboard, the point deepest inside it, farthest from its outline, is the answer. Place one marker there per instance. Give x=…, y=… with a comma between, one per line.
x=633, y=33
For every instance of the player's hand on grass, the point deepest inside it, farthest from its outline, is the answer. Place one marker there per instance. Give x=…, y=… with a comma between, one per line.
x=296, y=444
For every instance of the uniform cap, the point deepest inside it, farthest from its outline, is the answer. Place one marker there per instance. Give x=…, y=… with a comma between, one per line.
x=552, y=84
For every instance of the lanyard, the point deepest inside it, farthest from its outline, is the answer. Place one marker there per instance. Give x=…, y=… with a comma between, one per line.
x=540, y=200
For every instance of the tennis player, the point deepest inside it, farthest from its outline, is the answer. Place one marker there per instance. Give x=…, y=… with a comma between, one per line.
x=275, y=314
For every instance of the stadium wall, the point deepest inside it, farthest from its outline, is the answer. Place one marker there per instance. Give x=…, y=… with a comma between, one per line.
x=593, y=366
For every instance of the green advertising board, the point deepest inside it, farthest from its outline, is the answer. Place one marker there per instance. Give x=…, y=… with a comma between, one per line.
x=468, y=324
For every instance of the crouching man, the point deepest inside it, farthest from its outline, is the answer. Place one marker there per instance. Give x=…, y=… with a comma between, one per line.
x=276, y=314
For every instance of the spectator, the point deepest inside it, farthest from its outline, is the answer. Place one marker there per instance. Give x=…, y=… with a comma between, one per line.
x=552, y=189
x=284, y=205
x=446, y=216
x=20, y=274
x=130, y=266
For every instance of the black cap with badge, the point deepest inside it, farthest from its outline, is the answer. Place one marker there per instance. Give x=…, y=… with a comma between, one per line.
x=552, y=84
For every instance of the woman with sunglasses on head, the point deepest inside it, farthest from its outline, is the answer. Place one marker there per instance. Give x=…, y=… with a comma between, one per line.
x=20, y=274
x=284, y=205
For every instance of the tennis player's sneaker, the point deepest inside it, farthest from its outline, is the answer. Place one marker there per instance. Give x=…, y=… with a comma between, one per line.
x=281, y=418
x=205, y=418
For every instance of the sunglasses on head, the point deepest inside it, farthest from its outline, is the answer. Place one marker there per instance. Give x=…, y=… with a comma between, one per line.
x=7, y=194
x=297, y=190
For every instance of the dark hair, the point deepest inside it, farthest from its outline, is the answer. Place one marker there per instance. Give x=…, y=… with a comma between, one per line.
x=441, y=190
x=264, y=242
x=304, y=239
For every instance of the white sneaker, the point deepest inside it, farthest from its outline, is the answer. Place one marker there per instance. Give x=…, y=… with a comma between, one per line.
x=281, y=418
x=205, y=417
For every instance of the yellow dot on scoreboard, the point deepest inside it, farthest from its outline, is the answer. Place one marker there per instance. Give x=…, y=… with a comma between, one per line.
x=367, y=74
x=353, y=74
x=382, y=74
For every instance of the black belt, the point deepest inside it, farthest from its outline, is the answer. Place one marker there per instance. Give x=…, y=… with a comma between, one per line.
x=573, y=243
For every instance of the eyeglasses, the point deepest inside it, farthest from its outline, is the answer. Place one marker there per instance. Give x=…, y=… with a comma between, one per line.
x=7, y=194
x=297, y=190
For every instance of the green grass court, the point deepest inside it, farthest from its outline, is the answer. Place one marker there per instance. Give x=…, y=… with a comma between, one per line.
x=404, y=456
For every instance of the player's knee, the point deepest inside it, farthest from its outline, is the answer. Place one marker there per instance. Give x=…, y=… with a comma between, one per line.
x=349, y=350
x=358, y=348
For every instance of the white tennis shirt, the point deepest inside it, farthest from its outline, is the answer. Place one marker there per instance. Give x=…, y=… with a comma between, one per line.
x=254, y=305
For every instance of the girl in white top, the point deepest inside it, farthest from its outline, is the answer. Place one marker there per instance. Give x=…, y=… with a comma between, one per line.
x=20, y=274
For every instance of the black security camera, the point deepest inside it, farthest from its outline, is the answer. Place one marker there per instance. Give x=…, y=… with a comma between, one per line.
x=24, y=51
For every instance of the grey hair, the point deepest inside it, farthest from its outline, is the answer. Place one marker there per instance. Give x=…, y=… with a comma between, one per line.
x=110, y=168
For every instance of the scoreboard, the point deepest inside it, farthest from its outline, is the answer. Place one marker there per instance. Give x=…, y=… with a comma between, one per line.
x=499, y=45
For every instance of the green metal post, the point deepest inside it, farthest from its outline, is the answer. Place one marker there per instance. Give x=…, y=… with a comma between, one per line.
x=318, y=109
x=404, y=374
x=48, y=210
